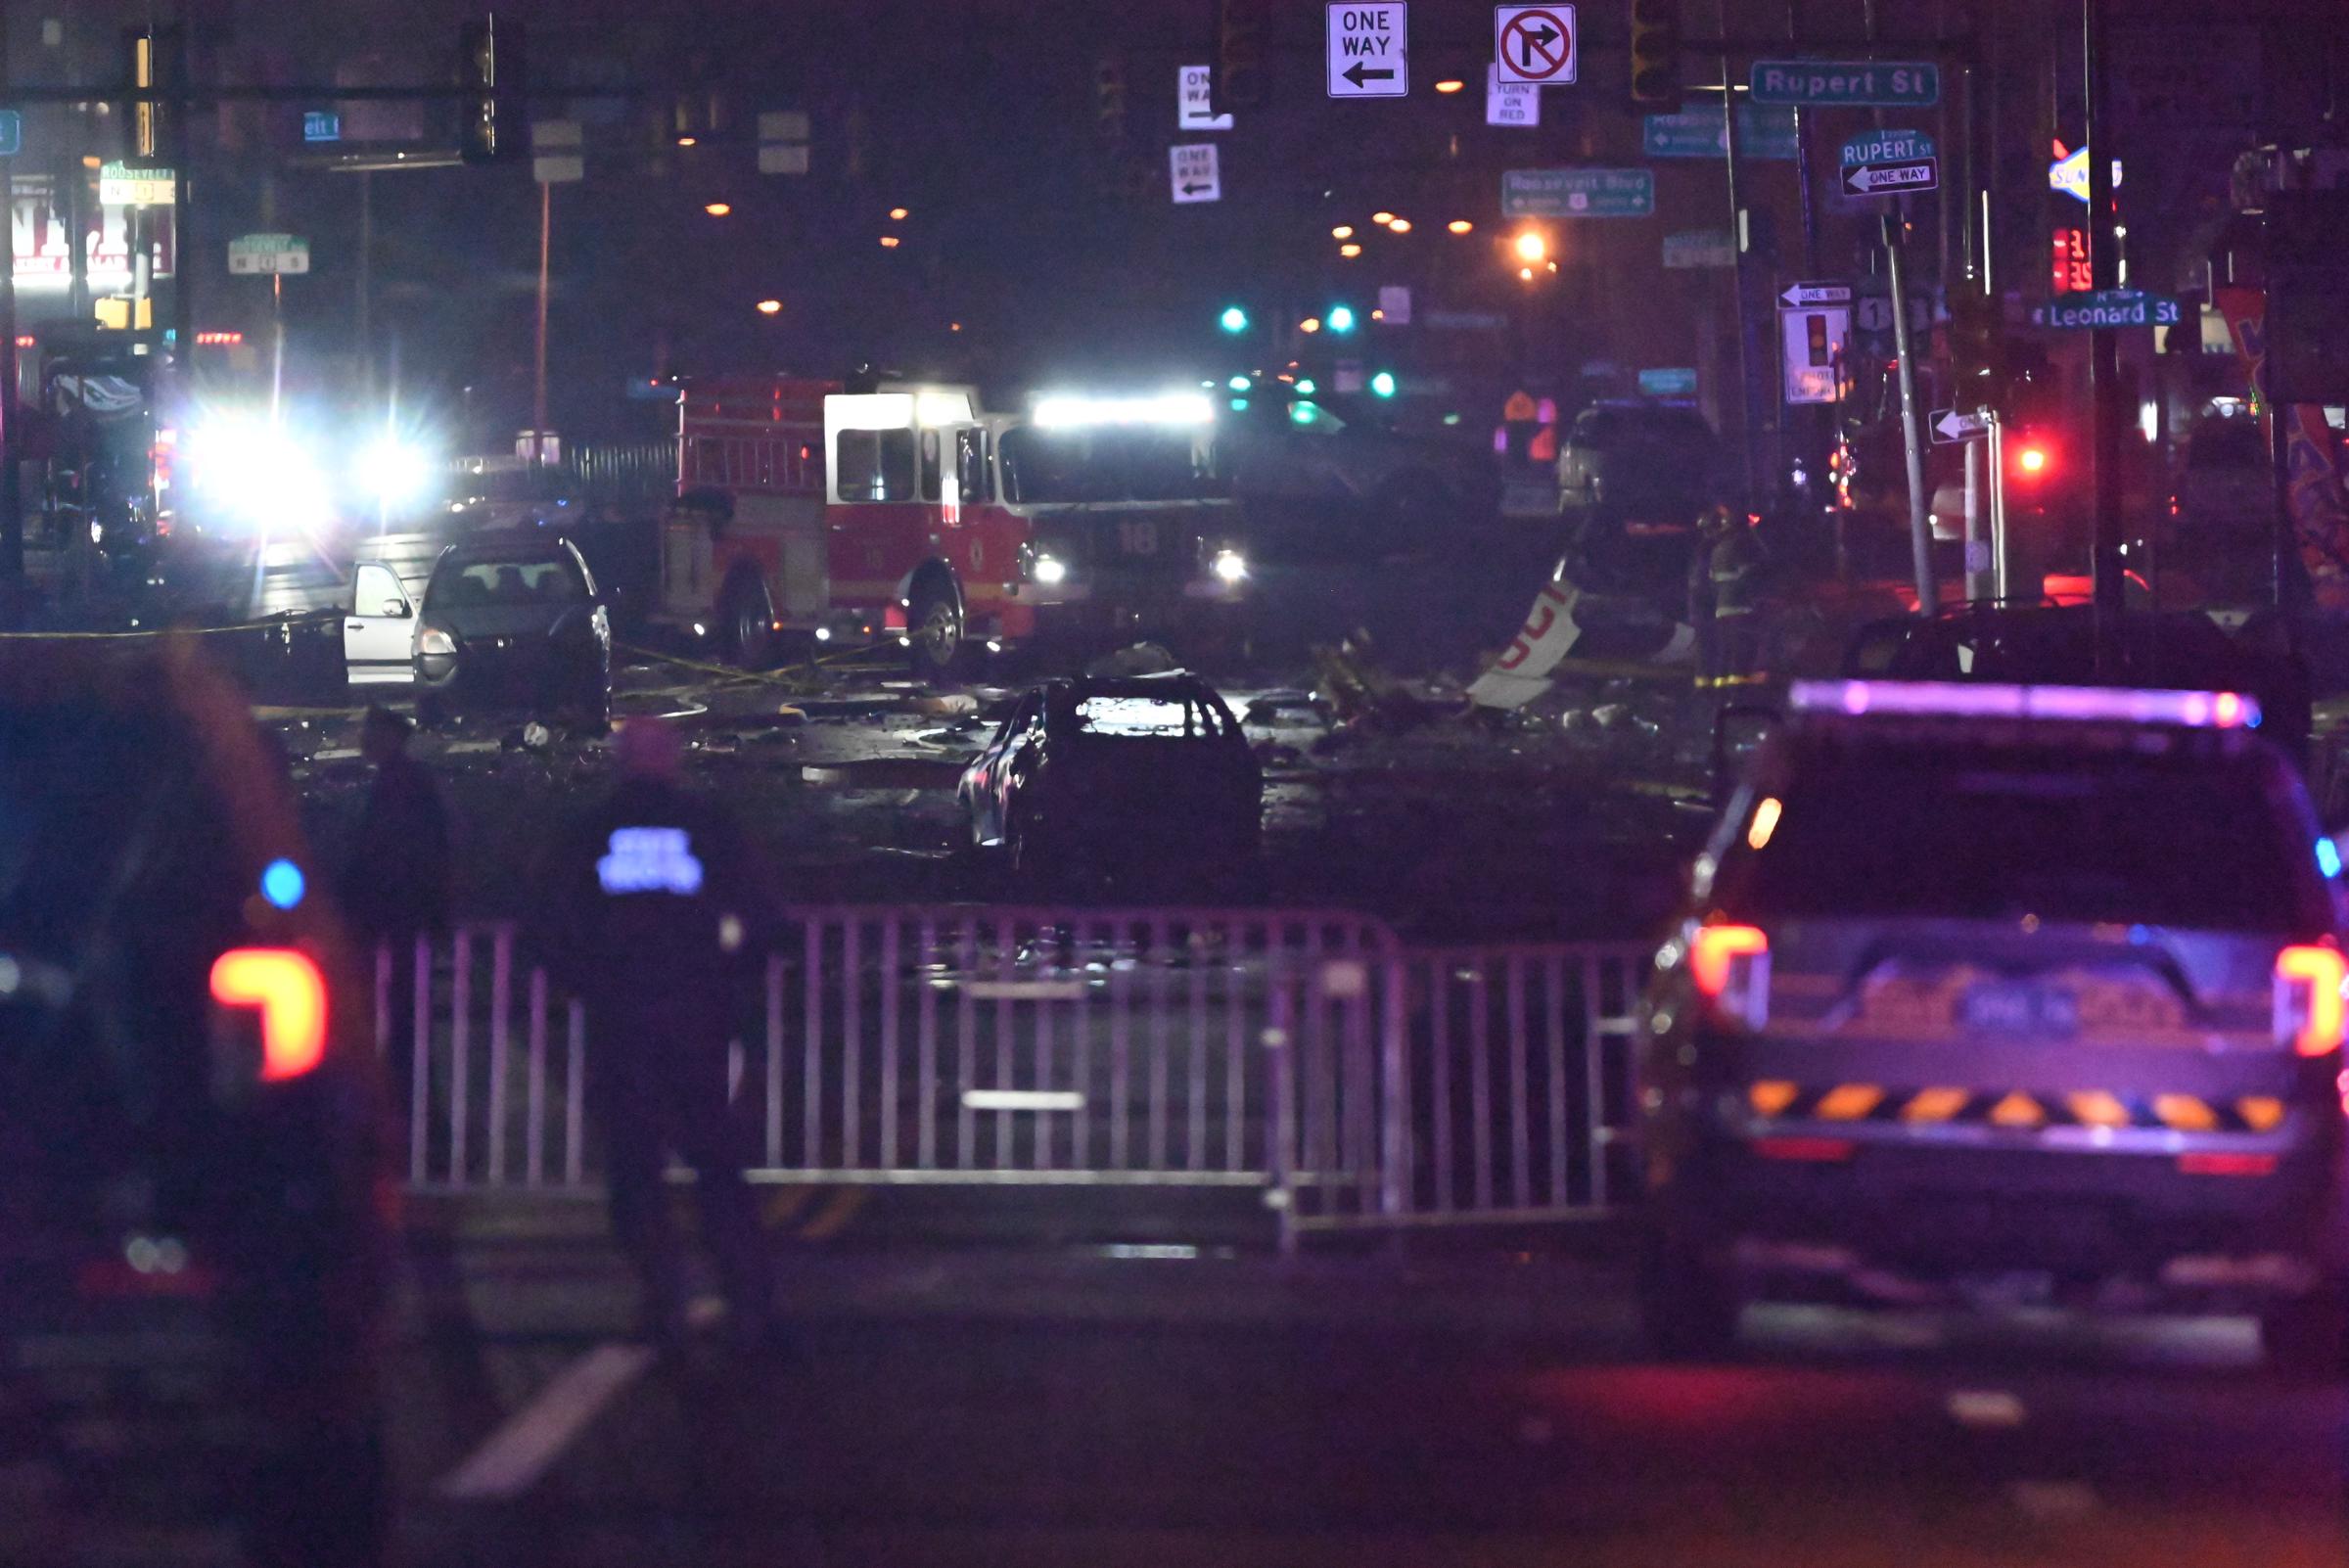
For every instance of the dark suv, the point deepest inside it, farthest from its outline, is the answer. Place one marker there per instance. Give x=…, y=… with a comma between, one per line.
x=2006, y=992
x=191, y=1241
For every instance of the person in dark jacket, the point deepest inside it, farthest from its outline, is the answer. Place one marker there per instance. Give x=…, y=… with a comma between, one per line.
x=654, y=913
x=1726, y=589
x=396, y=880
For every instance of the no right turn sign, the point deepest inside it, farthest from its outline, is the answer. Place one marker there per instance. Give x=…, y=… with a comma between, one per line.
x=1535, y=43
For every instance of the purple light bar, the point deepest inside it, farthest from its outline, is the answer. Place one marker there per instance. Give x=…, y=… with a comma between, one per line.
x=2190, y=710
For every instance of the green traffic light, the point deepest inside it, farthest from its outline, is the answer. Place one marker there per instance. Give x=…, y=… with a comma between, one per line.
x=1233, y=319
x=1237, y=384
x=1383, y=383
x=1339, y=318
x=1306, y=387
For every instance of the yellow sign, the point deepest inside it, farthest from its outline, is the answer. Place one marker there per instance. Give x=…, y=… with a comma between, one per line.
x=120, y=185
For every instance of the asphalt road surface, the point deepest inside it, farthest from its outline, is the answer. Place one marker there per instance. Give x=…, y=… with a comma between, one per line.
x=1164, y=1405
x=1084, y=1406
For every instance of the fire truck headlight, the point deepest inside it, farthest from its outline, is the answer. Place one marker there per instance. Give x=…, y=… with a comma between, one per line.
x=396, y=473
x=1230, y=566
x=1050, y=570
x=259, y=474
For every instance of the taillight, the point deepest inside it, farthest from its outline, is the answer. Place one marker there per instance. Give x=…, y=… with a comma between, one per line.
x=1731, y=968
x=2309, y=1007
x=289, y=993
x=435, y=641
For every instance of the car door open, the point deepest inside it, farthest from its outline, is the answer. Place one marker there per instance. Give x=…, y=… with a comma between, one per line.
x=379, y=631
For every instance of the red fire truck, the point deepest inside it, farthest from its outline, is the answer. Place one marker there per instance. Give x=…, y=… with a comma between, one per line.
x=906, y=513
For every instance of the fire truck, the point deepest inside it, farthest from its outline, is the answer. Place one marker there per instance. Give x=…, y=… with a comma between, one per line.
x=903, y=512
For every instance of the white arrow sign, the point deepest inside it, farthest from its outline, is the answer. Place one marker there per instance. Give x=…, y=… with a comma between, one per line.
x=1817, y=294
x=1950, y=425
x=1875, y=179
x=1194, y=173
x=1367, y=48
x=1192, y=108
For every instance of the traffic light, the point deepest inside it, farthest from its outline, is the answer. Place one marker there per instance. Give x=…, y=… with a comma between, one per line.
x=1383, y=383
x=1109, y=99
x=1656, y=55
x=1238, y=81
x=156, y=58
x=490, y=69
x=1233, y=320
x=1339, y=318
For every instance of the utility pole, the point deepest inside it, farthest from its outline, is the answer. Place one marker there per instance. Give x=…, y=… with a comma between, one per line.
x=2103, y=345
x=1737, y=237
x=546, y=220
x=1913, y=436
x=12, y=507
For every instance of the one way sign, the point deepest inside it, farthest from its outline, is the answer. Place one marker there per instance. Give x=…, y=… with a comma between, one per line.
x=1366, y=47
x=1194, y=172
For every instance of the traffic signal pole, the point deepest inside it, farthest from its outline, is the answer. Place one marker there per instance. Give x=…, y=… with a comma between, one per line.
x=2103, y=347
x=12, y=508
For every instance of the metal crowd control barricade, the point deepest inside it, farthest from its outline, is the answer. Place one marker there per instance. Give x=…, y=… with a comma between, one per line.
x=1305, y=1054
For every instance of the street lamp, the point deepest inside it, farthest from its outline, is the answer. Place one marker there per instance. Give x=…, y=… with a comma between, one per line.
x=1350, y=250
x=1344, y=231
x=1382, y=219
x=1341, y=318
x=1233, y=319
x=889, y=242
x=1310, y=324
x=1450, y=84
x=768, y=307
x=1459, y=225
x=897, y=214
x=718, y=209
x=1532, y=246
x=1400, y=226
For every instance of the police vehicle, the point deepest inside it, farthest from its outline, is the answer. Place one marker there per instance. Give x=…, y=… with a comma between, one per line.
x=2004, y=993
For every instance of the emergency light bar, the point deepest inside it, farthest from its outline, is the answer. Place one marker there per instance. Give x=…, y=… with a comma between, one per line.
x=2190, y=710
x=1169, y=408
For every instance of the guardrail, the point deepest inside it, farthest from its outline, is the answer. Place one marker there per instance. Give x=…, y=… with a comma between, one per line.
x=1305, y=1054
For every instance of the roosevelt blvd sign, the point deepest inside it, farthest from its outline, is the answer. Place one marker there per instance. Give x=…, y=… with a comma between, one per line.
x=1578, y=193
x=2107, y=307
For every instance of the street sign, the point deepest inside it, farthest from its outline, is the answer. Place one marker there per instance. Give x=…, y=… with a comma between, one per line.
x=11, y=133
x=1193, y=110
x=1881, y=83
x=1887, y=147
x=783, y=141
x=1394, y=305
x=1535, y=43
x=1891, y=179
x=1801, y=295
x=1510, y=103
x=1764, y=130
x=1367, y=44
x=1950, y=426
x=2107, y=307
x=559, y=168
x=1194, y=173
x=1578, y=193
x=1700, y=248
x=1812, y=339
x=1674, y=381
x=120, y=185
x=321, y=125
x=266, y=253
